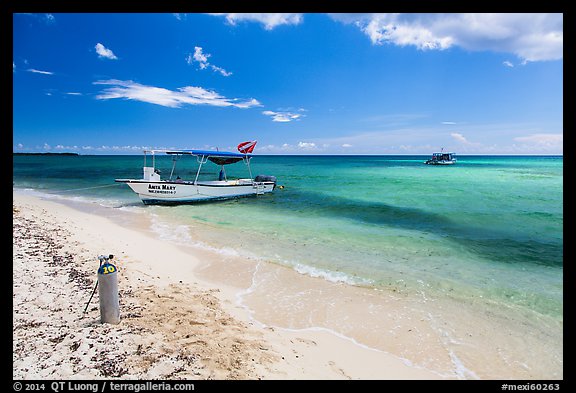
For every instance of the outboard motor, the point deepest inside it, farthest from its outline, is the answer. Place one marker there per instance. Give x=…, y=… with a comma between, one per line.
x=265, y=178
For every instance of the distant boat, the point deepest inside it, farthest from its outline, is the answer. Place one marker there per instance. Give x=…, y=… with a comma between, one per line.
x=442, y=159
x=153, y=190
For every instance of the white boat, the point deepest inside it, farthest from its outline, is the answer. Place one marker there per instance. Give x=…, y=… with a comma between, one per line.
x=442, y=159
x=152, y=189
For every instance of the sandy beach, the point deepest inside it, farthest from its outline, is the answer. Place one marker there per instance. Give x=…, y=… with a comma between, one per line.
x=175, y=323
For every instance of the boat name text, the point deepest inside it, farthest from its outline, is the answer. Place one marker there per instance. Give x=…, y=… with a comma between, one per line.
x=161, y=189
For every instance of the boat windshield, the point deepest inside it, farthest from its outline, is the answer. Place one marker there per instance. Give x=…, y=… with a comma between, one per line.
x=442, y=156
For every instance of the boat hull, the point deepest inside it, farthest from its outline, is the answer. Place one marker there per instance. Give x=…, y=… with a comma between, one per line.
x=435, y=162
x=170, y=192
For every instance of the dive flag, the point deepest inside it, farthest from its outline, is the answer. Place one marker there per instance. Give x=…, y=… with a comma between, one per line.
x=247, y=147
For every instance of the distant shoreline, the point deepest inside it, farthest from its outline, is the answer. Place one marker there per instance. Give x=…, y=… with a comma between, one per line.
x=45, y=154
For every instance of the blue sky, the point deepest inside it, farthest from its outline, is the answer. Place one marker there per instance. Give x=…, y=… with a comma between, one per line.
x=297, y=83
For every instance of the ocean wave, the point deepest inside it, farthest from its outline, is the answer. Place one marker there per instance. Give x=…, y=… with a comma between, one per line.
x=329, y=275
x=104, y=202
x=181, y=234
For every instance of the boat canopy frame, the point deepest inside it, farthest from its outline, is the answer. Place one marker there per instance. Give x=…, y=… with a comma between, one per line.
x=202, y=156
x=444, y=155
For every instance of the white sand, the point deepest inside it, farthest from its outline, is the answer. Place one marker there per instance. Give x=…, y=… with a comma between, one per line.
x=174, y=324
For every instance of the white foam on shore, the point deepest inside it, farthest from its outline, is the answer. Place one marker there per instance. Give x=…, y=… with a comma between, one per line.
x=329, y=275
x=180, y=233
x=460, y=369
x=88, y=201
x=240, y=298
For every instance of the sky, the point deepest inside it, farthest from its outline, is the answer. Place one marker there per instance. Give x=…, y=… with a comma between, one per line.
x=310, y=83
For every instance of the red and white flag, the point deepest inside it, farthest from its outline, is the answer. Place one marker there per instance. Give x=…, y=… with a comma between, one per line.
x=247, y=147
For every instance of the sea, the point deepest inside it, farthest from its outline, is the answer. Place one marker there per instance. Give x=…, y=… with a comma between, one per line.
x=488, y=227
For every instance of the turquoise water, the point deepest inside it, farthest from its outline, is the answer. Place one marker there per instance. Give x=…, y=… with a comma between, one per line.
x=489, y=226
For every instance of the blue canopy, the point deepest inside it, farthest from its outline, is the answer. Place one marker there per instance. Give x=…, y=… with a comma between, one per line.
x=208, y=153
x=217, y=157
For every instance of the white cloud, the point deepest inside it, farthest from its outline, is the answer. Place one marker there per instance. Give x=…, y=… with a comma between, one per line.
x=199, y=57
x=530, y=36
x=221, y=70
x=287, y=148
x=74, y=93
x=542, y=139
x=188, y=95
x=450, y=123
x=202, y=59
x=104, y=148
x=306, y=145
x=104, y=52
x=179, y=16
x=40, y=72
x=540, y=143
x=47, y=18
x=283, y=117
x=495, y=138
x=508, y=64
x=346, y=145
x=269, y=20
x=460, y=138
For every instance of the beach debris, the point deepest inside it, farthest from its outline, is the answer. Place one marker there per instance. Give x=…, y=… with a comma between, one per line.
x=158, y=340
